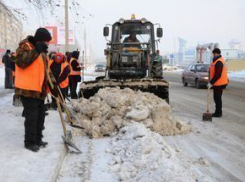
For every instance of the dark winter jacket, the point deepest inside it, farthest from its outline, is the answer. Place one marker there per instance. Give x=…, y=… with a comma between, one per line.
x=75, y=67
x=56, y=69
x=7, y=61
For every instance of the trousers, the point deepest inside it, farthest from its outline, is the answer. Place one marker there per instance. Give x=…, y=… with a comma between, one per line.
x=218, y=91
x=74, y=89
x=34, y=113
x=8, y=78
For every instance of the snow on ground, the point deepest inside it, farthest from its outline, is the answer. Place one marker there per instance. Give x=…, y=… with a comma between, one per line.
x=142, y=155
x=133, y=154
x=17, y=163
x=238, y=76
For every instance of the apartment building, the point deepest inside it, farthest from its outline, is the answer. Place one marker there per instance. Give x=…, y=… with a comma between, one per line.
x=10, y=29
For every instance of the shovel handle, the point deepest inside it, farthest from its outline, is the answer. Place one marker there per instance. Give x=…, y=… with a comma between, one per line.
x=61, y=116
x=208, y=99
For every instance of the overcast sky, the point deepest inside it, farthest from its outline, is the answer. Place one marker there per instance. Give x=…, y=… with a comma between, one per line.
x=196, y=21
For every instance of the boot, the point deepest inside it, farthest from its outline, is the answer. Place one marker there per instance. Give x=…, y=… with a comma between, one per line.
x=33, y=148
x=42, y=144
x=217, y=115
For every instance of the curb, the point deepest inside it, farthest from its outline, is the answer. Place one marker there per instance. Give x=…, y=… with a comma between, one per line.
x=55, y=174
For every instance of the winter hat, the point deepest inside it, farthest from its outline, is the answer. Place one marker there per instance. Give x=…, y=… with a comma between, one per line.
x=217, y=51
x=59, y=57
x=42, y=35
x=75, y=54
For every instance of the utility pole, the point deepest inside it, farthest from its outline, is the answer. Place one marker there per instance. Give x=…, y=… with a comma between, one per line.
x=83, y=58
x=173, y=63
x=85, y=50
x=66, y=26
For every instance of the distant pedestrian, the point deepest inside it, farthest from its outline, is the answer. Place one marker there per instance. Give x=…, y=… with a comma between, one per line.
x=8, y=71
x=75, y=74
x=31, y=85
x=218, y=79
x=68, y=58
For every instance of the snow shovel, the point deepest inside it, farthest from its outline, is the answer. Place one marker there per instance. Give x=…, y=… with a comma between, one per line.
x=67, y=133
x=207, y=116
x=69, y=114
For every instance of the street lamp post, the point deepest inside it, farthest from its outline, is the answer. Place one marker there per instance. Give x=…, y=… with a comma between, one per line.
x=66, y=26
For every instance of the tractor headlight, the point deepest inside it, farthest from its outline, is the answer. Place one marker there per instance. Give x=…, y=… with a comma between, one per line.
x=121, y=20
x=143, y=20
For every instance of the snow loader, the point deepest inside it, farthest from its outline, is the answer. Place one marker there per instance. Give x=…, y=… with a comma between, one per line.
x=131, y=63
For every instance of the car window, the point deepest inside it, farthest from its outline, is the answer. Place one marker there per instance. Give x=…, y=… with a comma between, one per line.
x=202, y=68
x=193, y=67
x=100, y=66
x=189, y=67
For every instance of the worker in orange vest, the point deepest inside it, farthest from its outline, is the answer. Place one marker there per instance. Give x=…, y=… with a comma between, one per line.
x=218, y=79
x=31, y=85
x=60, y=69
x=75, y=73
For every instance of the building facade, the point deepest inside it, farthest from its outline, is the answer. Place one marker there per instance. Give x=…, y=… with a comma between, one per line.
x=10, y=29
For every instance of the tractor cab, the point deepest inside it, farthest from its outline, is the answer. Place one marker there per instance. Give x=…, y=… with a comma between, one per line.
x=131, y=48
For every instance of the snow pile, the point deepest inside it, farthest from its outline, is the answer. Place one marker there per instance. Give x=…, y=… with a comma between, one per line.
x=142, y=155
x=112, y=108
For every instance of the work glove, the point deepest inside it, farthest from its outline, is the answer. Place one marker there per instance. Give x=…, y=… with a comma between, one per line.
x=41, y=47
x=209, y=85
x=54, y=91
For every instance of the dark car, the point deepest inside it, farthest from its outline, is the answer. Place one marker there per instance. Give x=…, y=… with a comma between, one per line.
x=100, y=68
x=196, y=74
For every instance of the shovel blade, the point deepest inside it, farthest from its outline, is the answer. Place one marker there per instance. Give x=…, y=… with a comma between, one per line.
x=17, y=101
x=207, y=117
x=69, y=143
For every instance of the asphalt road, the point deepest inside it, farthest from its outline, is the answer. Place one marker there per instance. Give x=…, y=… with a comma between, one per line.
x=195, y=100
x=222, y=141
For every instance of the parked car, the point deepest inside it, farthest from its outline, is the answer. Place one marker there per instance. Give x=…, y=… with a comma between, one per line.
x=196, y=74
x=99, y=68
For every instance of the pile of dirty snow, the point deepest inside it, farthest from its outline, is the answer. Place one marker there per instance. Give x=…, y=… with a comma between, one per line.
x=112, y=108
x=142, y=155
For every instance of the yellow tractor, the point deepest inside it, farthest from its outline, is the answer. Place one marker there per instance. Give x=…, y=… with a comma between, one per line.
x=131, y=61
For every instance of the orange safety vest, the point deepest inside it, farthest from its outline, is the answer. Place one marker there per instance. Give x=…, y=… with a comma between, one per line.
x=223, y=80
x=64, y=83
x=73, y=72
x=31, y=77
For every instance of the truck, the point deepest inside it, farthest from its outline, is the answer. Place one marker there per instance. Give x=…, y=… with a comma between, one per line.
x=131, y=62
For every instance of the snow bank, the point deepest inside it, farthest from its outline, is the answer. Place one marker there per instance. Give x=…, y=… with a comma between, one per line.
x=112, y=108
x=238, y=76
x=142, y=155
